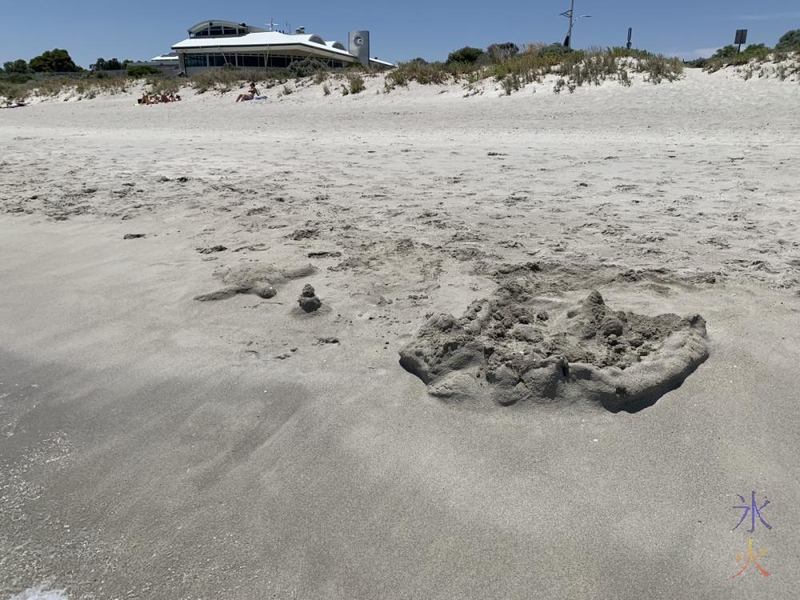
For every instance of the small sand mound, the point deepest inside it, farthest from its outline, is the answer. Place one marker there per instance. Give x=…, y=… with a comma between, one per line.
x=515, y=346
x=255, y=279
x=308, y=300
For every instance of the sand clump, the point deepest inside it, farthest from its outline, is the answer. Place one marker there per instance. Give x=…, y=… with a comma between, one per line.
x=516, y=346
x=257, y=279
x=308, y=300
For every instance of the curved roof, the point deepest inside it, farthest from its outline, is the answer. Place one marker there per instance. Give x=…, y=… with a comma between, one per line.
x=218, y=22
x=314, y=38
x=337, y=45
x=263, y=39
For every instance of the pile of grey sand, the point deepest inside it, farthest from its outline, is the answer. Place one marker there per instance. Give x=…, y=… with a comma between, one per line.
x=515, y=347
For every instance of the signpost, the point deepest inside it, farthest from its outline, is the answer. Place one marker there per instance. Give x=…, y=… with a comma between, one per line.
x=741, y=38
x=630, y=35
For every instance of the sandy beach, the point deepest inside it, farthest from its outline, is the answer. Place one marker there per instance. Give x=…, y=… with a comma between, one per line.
x=159, y=447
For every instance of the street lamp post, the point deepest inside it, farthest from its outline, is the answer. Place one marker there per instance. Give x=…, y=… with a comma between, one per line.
x=571, y=23
x=570, y=14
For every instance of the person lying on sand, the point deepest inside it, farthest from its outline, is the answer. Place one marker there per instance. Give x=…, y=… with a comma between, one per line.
x=158, y=98
x=249, y=94
x=15, y=103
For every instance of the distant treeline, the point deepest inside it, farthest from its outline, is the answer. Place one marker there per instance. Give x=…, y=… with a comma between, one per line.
x=59, y=61
x=730, y=55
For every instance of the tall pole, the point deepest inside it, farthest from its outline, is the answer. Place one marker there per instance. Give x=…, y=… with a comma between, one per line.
x=571, y=23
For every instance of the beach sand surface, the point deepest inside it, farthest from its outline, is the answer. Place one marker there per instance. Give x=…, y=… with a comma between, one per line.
x=156, y=446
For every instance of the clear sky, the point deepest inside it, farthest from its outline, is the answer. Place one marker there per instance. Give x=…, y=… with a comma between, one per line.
x=141, y=29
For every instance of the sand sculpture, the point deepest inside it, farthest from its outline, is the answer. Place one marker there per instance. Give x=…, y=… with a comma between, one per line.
x=308, y=300
x=258, y=279
x=515, y=346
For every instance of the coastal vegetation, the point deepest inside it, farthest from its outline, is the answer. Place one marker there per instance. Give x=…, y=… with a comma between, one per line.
x=514, y=68
x=787, y=49
x=508, y=65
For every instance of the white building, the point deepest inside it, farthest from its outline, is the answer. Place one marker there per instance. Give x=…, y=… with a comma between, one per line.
x=214, y=44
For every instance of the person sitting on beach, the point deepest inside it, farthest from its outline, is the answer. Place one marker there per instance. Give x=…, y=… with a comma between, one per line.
x=249, y=94
x=174, y=98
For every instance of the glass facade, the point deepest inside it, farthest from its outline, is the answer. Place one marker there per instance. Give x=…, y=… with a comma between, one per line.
x=248, y=61
x=220, y=31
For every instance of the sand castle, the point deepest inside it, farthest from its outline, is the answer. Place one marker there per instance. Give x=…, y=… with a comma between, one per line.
x=515, y=346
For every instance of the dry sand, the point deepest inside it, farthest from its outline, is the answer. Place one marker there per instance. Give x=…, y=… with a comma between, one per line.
x=155, y=446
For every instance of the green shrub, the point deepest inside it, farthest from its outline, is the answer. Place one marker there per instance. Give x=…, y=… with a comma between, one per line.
x=160, y=85
x=658, y=69
x=466, y=55
x=18, y=67
x=424, y=73
x=554, y=50
x=697, y=63
x=141, y=71
x=306, y=67
x=730, y=55
x=511, y=83
x=8, y=91
x=16, y=78
x=498, y=53
x=213, y=79
x=356, y=83
x=790, y=41
x=576, y=68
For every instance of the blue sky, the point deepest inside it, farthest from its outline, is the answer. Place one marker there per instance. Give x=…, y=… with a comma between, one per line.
x=141, y=29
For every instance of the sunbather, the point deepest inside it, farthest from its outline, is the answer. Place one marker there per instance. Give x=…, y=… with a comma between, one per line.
x=249, y=94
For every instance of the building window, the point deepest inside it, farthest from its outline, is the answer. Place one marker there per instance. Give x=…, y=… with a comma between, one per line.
x=251, y=61
x=279, y=62
x=196, y=60
x=220, y=60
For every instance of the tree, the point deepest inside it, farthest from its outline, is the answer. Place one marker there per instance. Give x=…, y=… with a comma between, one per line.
x=731, y=54
x=18, y=66
x=101, y=64
x=789, y=41
x=466, y=54
x=500, y=53
x=725, y=53
x=54, y=61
